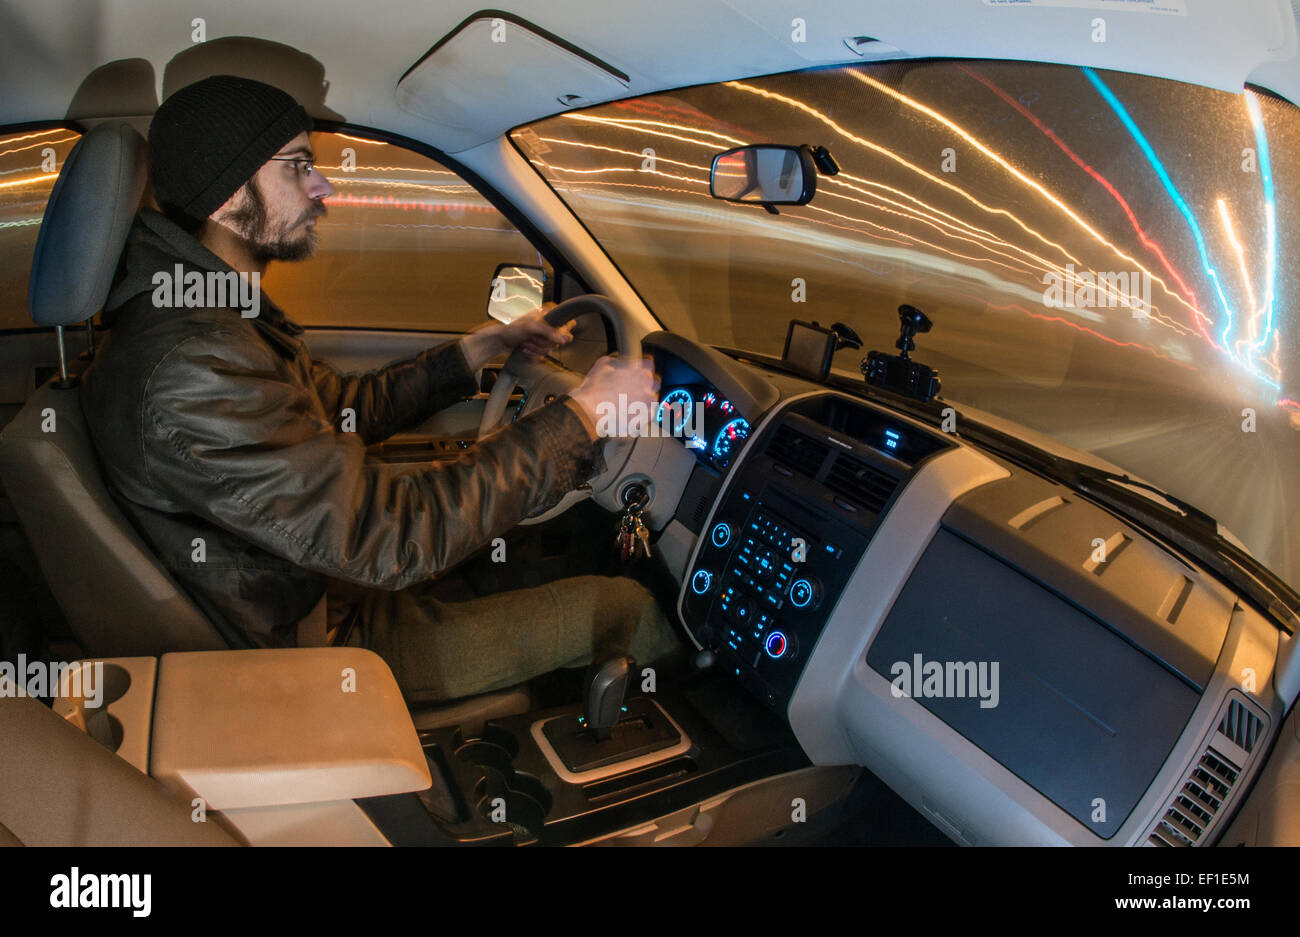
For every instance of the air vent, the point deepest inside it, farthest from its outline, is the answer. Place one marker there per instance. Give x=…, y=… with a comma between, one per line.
x=1212, y=779
x=858, y=482
x=1199, y=801
x=802, y=453
x=1241, y=725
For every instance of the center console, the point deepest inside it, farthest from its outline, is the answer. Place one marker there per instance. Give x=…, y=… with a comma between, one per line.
x=788, y=531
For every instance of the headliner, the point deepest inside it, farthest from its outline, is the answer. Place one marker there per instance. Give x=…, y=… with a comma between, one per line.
x=349, y=56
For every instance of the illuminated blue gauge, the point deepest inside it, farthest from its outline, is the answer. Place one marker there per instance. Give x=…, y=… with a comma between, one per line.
x=709, y=400
x=679, y=403
x=727, y=407
x=728, y=441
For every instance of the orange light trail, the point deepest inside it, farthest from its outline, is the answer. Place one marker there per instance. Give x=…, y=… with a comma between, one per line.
x=32, y=146
x=48, y=178
x=841, y=180
x=1095, y=334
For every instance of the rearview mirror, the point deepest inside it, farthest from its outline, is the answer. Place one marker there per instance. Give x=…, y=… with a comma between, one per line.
x=516, y=291
x=764, y=174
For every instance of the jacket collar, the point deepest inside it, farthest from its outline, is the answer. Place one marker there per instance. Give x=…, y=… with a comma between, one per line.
x=157, y=243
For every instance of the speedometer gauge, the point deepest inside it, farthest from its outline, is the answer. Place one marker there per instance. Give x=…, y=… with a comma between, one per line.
x=728, y=441
x=677, y=406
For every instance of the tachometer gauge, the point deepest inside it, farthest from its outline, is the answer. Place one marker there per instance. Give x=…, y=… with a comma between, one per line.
x=728, y=441
x=676, y=406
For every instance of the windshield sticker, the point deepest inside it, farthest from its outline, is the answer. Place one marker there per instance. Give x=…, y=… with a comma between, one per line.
x=1172, y=7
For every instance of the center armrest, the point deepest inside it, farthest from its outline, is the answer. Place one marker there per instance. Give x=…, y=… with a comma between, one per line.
x=273, y=727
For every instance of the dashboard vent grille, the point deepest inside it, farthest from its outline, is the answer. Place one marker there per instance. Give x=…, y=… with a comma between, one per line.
x=1242, y=726
x=1198, y=802
x=802, y=453
x=859, y=482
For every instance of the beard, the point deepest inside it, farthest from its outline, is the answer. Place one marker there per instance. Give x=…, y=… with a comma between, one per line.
x=274, y=241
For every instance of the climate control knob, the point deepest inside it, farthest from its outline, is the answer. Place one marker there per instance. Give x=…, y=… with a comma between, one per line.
x=805, y=592
x=777, y=645
x=702, y=581
x=721, y=534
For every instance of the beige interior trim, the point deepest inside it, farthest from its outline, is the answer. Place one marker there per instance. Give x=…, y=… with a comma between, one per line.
x=337, y=823
x=123, y=687
x=59, y=787
x=271, y=727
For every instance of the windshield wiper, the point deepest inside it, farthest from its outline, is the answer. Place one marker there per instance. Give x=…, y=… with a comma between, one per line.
x=1191, y=511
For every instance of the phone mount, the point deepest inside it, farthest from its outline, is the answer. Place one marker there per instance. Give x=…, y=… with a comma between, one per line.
x=899, y=373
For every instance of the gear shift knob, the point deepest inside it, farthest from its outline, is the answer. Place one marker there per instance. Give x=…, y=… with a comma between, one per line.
x=606, y=686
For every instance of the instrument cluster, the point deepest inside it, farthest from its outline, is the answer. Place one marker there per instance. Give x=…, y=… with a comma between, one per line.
x=706, y=422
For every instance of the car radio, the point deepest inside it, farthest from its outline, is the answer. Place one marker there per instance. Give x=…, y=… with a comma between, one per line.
x=764, y=582
x=788, y=533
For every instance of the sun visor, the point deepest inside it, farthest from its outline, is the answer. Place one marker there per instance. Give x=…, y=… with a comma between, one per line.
x=494, y=73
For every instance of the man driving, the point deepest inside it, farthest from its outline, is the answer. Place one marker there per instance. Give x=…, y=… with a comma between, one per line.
x=242, y=461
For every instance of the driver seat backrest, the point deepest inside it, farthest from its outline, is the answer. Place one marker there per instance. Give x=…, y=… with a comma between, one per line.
x=117, y=598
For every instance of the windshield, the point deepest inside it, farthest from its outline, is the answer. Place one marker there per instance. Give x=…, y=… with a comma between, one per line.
x=1106, y=257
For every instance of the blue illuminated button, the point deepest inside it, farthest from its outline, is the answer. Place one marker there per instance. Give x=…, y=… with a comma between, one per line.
x=801, y=593
x=701, y=582
x=721, y=535
x=776, y=645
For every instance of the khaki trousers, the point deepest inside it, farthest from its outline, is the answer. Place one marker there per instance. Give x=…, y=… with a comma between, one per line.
x=440, y=650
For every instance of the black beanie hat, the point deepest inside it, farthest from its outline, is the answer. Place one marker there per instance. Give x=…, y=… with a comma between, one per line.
x=209, y=138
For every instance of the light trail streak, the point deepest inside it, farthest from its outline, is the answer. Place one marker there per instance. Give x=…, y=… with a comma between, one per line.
x=1200, y=320
x=1135, y=132
x=32, y=146
x=1241, y=259
x=989, y=153
x=1270, y=215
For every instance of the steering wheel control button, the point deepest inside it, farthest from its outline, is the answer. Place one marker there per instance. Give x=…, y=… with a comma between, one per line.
x=804, y=593
x=702, y=581
x=721, y=535
x=776, y=645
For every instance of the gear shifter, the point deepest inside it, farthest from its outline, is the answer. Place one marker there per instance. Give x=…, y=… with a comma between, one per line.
x=606, y=687
x=588, y=742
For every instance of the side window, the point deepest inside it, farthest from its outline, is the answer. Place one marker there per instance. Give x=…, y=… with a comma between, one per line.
x=30, y=161
x=406, y=244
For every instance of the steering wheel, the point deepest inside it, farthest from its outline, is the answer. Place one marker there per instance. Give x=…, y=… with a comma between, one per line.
x=543, y=380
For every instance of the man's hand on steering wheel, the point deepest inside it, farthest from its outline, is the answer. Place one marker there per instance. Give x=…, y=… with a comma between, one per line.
x=609, y=378
x=531, y=334
x=534, y=336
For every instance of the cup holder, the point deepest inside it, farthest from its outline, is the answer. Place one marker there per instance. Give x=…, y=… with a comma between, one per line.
x=97, y=686
x=501, y=794
x=485, y=755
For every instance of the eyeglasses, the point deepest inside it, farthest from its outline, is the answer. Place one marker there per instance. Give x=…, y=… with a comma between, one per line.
x=305, y=163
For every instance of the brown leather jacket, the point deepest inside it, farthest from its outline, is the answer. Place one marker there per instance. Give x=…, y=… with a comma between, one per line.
x=216, y=427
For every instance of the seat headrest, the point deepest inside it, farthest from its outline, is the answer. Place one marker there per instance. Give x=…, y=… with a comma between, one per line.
x=86, y=222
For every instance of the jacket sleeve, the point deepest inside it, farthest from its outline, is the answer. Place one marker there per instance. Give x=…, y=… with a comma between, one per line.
x=401, y=395
x=231, y=437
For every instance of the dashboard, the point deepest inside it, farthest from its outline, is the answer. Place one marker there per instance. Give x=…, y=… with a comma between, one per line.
x=911, y=603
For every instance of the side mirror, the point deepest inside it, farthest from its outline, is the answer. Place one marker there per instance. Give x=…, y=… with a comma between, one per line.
x=516, y=290
x=764, y=174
